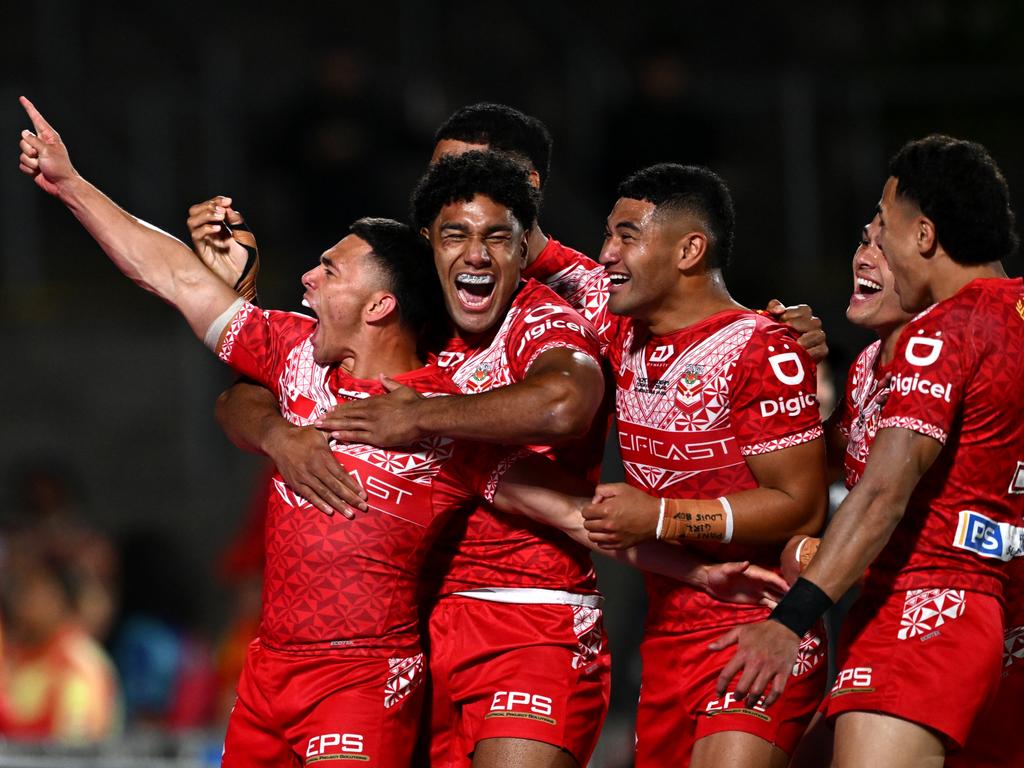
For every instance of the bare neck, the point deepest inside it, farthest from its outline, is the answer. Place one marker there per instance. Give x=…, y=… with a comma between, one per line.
x=950, y=277
x=538, y=241
x=694, y=298
x=388, y=352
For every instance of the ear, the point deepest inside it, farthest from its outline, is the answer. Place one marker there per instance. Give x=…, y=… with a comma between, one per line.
x=925, y=234
x=380, y=306
x=524, y=249
x=534, y=179
x=425, y=233
x=691, y=249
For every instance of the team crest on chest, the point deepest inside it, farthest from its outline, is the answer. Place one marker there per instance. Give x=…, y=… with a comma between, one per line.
x=480, y=379
x=689, y=387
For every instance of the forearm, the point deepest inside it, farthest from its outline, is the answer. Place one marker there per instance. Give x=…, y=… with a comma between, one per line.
x=542, y=409
x=151, y=258
x=856, y=535
x=249, y=414
x=664, y=559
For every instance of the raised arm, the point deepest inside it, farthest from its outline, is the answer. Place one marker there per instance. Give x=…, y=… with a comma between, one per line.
x=556, y=400
x=153, y=259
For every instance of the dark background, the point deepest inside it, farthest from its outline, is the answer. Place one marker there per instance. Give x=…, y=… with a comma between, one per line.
x=312, y=115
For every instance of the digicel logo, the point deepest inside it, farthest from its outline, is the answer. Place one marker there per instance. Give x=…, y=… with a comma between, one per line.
x=791, y=406
x=545, y=317
x=907, y=384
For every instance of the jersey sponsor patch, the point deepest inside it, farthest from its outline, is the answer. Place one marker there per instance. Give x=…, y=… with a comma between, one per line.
x=925, y=610
x=922, y=351
x=987, y=538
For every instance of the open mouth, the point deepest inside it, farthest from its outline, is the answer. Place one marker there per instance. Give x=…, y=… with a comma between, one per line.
x=866, y=287
x=474, y=290
x=617, y=279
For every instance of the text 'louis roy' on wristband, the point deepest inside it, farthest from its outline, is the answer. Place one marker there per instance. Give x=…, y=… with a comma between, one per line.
x=695, y=520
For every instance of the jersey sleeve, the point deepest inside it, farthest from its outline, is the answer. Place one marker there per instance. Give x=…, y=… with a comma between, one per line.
x=581, y=282
x=476, y=469
x=929, y=372
x=257, y=342
x=774, y=395
x=545, y=324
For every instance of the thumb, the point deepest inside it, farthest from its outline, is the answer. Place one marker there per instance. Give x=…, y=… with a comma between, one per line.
x=389, y=384
x=776, y=307
x=233, y=217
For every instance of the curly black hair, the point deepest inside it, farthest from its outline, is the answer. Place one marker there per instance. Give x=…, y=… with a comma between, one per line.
x=406, y=263
x=458, y=178
x=958, y=186
x=691, y=189
x=502, y=129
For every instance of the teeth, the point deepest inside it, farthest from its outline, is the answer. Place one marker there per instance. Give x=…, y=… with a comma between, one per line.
x=864, y=283
x=306, y=304
x=617, y=278
x=468, y=279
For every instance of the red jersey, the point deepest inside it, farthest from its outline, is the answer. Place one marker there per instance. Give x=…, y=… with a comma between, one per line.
x=691, y=405
x=958, y=377
x=332, y=583
x=861, y=410
x=491, y=549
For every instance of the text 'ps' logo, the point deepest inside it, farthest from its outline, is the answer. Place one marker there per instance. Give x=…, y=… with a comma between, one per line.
x=787, y=367
x=922, y=351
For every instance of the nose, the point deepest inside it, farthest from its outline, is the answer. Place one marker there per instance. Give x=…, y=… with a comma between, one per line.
x=609, y=253
x=309, y=279
x=476, y=254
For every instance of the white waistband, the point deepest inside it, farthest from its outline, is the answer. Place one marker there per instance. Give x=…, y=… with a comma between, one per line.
x=533, y=596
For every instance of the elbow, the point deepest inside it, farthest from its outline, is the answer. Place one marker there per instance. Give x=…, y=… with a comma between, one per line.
x=567, y=416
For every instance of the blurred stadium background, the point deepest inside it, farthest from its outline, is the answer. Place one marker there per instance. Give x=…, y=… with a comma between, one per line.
x=312, y=115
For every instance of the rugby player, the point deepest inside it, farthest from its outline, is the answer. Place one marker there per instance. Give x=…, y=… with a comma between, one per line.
x=875, y=305
x=932, y=515
x=715, y=404
x=335, y=671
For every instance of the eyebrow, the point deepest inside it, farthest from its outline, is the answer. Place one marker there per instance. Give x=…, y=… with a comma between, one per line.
x=627, y=225
x=326, y=261
x=459, y=227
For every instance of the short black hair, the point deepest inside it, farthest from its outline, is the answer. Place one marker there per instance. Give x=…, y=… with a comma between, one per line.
x=503, y=129
x=458, y=178
x=958, y=186
x=692, y=189
x=406, y=263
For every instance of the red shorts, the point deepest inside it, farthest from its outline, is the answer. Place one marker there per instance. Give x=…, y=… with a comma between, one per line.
x=994, y=741
x=679, y=705
x=501, y=670
x=299, y=709
x=929, y=656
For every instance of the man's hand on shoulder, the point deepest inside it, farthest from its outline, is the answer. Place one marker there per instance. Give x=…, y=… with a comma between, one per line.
x=800, y=317
x=385, y=420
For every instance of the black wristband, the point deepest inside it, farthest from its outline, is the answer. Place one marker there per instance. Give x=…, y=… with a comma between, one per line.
x=801, y=607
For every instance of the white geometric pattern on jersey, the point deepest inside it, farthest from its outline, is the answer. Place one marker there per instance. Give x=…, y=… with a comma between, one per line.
x=233, y=328
x=303, y=377
x=770, y=446
x=290, y=497
x=499, y=471
x=715, y=357
x=1013, y=646
x=404, y=675
x=420, y=463
x=587, y=626
x=488, y=368
x=867, y=403
x=925, y=610
x=587, y=290
x=915, y=425
x=809, y=655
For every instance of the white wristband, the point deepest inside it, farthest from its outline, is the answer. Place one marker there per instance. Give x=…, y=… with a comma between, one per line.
x=727, y=536
x=658, y=532
x=800, y=548
x=216, y=328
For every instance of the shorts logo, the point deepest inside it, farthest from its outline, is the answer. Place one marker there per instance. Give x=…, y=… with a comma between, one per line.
x=1017, y=484
x=853, y=680
x=326, y=747
x=929, y=350
x=1013, y=646
x=731, y=704
x=520, y=704
x=787, y=367
x=925, y=610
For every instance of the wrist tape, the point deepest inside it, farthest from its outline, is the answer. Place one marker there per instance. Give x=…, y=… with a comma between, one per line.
x=801, y=607
x=695, y=519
